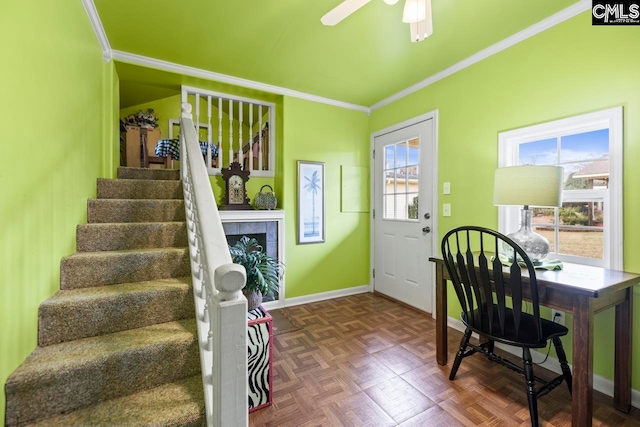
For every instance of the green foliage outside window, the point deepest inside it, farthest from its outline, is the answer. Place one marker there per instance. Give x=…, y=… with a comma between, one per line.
x=573, y=216
x=413, y=208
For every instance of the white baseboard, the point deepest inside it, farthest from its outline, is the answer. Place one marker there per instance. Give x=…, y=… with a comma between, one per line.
x=601, y=384
x=290, y=302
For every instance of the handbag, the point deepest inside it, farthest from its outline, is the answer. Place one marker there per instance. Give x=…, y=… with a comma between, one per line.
x=266, y=199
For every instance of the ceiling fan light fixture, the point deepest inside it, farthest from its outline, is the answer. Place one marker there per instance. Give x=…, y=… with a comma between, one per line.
x=415, y=11
x=421, y=30
x=391, y=2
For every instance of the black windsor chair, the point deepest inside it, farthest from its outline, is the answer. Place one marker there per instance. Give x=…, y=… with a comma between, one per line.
x=481, y=264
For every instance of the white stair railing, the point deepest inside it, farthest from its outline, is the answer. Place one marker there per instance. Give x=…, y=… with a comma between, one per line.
x=221, y=309
x=243, y=130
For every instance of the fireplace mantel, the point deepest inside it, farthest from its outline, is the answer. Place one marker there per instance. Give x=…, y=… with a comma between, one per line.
x=252, y=215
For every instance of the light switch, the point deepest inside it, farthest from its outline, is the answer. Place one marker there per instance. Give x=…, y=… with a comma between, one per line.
x=446, y=209
x=446, y=188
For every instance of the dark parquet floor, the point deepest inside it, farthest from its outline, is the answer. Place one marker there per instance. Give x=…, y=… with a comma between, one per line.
x=365, y=360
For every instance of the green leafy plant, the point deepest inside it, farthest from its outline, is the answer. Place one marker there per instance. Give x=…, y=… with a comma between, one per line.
x=263, y=271
x=572, y=216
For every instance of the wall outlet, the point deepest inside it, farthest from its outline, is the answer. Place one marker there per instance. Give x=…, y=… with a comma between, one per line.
x=557, y=316
x=446, y=209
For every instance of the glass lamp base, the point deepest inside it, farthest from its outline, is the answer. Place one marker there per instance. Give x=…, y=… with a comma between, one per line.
x=536, y=246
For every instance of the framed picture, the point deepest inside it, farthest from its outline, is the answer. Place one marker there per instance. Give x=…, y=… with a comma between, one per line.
x=311, y=202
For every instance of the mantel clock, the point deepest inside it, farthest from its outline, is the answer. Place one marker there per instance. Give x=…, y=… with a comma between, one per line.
x=236, y=193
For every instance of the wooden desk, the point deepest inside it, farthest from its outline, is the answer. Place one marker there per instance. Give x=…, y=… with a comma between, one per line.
x=582, y=291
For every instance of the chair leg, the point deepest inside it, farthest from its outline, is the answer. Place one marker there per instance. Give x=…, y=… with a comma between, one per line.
x=460, y=354
x=562, y=357
x=530, y=383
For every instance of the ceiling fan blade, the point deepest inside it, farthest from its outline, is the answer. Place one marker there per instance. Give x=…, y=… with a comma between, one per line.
x=341, y=11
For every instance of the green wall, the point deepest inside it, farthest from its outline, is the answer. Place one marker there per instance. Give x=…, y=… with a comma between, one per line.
x=309, y=131
x=57, y=154
x=336, y=136
x=570, y=69
x=53, y=82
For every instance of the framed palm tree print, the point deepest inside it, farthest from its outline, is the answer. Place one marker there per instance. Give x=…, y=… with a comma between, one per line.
x=311, y=202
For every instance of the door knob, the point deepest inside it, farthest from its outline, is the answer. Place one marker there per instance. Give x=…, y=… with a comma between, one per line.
x=426, y=229
x=427, y=216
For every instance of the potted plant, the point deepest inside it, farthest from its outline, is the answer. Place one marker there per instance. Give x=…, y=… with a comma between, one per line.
x=263, y=271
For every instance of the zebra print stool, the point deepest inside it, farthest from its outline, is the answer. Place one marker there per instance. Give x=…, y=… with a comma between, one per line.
x=259, y=342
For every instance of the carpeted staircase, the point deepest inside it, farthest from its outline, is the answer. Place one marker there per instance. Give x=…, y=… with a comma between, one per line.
x=117, y=345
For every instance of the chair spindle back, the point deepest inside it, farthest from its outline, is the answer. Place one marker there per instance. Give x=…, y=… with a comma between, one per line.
x=483, y=268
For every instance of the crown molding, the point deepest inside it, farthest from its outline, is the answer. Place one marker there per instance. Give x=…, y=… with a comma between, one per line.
x=96, y=23
x=528, y=32
x=159, y=64
x=109, y=54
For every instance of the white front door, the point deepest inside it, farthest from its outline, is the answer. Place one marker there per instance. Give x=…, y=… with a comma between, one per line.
x=403, y=199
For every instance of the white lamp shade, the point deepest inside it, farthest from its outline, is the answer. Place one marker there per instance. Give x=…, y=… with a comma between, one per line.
x=528, y=185
x=415, y=10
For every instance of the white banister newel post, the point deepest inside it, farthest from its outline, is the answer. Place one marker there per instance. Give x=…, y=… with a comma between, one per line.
x=229, y=281
x=230, y=347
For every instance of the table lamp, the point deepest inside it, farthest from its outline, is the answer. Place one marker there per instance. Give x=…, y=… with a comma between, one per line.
x=539, y=186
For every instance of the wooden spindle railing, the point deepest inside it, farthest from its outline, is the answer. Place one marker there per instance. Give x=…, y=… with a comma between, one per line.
x=221, y=309
x=252, y=144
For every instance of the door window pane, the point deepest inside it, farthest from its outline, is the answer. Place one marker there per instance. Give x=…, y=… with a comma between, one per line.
x=389, y=157
x=401, y=154
x=413, y=181
x=412, y=207
x=414, y=152
x=389, y=186
x=401, y=180
x=401, y=206
x=389, y=206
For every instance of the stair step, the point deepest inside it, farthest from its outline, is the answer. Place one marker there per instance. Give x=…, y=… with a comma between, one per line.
x=180, y=403
x=142, y=210
x=144, y=173
x=72, y=375
x=133, y=235
x=90, y=269
x=139, y=189
x=81, y=313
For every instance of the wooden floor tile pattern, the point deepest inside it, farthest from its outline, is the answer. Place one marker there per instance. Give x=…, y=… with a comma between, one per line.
x=365, y=360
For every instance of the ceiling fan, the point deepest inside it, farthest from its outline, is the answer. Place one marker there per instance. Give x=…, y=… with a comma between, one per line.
x=417, y=13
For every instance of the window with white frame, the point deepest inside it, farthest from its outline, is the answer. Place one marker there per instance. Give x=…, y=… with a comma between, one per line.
x=587, y=228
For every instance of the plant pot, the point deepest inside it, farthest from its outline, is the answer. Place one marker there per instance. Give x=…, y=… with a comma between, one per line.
x=254, y=299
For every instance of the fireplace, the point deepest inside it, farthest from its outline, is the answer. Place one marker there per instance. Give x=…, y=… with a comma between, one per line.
x=267, y=227
x=265, y=232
